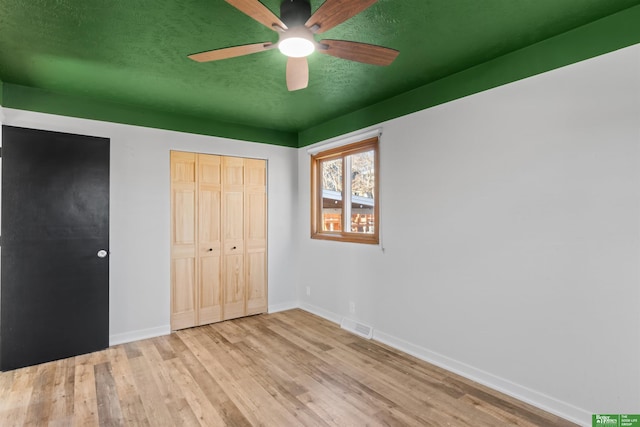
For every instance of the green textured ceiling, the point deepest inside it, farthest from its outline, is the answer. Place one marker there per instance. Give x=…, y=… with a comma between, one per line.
x=133, y=54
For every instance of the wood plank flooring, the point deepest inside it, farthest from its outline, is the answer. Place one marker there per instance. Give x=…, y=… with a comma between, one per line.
x=283, y=369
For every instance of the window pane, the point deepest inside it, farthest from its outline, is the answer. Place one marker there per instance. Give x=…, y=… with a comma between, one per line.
x=362, y=192
x=331, y=195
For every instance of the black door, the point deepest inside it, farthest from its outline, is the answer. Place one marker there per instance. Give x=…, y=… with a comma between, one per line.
x=54, y=296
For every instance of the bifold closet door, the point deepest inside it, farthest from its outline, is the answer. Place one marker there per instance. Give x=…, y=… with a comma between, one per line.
x=195, y=240
x=218, y=238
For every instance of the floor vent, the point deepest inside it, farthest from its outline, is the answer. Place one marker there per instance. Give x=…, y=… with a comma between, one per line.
x=357, y=328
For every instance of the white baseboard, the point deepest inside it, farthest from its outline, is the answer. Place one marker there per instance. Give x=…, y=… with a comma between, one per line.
x=325, y=314
x=141, y=334
x=275, y=308
x=532, y=397
x=524, y=394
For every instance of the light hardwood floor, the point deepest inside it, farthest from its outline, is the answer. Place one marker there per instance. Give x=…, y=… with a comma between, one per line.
x=283, y=369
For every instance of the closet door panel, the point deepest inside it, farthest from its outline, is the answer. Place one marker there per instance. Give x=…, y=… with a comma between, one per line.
x=234, y=286
x=256, y=223
x=183, y=313
x=233, y=268
x=210, y=242
x=233, y=237
x=255, y=173
x=183, y=241
x=210, y=305
x=209, y=217
x=256, y=235
x=256, y=280
x=233, y=216
x=233, y=172
x=184, y=199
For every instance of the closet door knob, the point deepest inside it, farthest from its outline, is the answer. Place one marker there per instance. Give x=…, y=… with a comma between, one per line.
x=210, y=249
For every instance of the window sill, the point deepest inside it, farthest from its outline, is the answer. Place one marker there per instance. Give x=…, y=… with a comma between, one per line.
x=347, y=237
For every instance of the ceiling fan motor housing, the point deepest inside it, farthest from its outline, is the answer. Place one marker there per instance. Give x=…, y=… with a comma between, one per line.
x=295, y=12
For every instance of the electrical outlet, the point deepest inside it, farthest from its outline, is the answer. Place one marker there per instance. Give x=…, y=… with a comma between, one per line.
x=308, y=291
x=352, y=307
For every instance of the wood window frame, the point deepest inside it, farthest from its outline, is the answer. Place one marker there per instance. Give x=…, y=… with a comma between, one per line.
x=342, y=152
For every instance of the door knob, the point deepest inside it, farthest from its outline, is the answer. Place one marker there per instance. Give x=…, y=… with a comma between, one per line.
x=102, y=253
x=210, y=249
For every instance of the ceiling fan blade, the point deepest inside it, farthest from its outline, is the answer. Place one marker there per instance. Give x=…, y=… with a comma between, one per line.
x=259, y=12
x=360, y=52
x=230, y=52
x=297, y=73
x=334, y=12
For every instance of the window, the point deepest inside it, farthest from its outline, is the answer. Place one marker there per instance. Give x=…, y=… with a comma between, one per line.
x=344, y=193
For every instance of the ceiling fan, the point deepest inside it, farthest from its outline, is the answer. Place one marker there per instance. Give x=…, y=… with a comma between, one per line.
x=296, y=27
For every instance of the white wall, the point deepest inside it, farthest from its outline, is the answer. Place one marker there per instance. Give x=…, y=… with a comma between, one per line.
x=140, y=211
x=510, y=224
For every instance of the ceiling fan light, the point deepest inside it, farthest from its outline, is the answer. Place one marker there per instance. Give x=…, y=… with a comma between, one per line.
x=296, y=47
